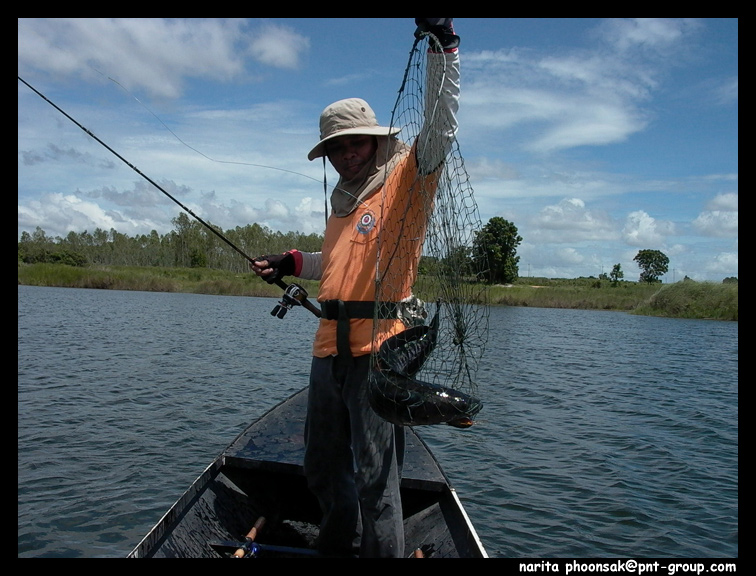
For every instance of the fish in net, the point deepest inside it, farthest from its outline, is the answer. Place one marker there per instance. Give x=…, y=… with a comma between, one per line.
x=428, y=272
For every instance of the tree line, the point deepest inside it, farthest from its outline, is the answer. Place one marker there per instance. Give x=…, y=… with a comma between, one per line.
x=188, y=245
x=191, y=245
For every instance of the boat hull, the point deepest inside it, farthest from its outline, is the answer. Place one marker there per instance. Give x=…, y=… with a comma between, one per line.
x=260, y=476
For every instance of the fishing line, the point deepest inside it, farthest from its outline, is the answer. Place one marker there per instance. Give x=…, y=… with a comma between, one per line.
x=191, y=147
x=325, y=180
x=130, y=165
x=298, y=294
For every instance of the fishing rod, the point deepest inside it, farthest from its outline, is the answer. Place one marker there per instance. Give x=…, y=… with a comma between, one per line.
x=294, y=294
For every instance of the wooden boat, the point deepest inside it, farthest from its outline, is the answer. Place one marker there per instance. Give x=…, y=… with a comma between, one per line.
x=254, y=497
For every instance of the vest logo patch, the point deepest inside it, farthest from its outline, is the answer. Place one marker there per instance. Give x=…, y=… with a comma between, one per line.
x=366, y=223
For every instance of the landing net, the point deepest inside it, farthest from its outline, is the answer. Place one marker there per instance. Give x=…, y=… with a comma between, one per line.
x=433, y=255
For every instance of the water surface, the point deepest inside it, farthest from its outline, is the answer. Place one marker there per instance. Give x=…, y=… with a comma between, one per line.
x=602, y=435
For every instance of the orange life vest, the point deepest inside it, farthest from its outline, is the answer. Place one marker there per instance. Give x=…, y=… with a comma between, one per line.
x=387, y=228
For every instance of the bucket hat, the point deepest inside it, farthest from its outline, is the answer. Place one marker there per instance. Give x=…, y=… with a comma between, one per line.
x=347, y=117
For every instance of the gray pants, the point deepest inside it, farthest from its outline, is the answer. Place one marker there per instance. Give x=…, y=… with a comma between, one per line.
x=353, y=463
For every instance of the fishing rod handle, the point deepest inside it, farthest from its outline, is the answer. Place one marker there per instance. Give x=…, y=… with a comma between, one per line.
x=250, y=538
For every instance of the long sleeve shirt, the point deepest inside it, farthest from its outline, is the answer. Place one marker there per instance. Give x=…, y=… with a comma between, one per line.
x=381, y=240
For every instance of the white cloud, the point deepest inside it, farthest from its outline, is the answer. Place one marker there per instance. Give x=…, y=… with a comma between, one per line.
x=571, y=221
x=555, y=103
x=279, y=46
x=570, y=256
x=58, y=214
x=717, y=223
x=721, y=219
x=156, y=55
x=579, y=97
x=646, y=34
x=724, y=263
x=727, y=202
x=645, y=231
x=727, y=92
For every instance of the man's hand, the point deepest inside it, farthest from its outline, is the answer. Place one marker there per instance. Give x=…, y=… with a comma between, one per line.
x=273, y=266
x=441, y=28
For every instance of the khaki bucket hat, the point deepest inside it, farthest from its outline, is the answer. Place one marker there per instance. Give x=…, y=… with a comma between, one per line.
x=347, y=117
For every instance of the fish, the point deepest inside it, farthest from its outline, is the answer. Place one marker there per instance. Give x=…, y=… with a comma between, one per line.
x=407, y=401
x=406, y=352
x=400, y=398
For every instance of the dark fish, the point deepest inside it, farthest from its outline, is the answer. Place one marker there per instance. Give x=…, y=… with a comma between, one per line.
x=407, y=401
x=406, y=352
x=396, y=396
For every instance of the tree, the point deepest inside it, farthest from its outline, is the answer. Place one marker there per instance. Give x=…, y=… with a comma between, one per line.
x=616, y=275
x=653, y=264
x=188, y=247
x=495, y=249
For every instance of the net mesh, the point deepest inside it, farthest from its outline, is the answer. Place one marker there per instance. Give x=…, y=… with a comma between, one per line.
x=426, y=258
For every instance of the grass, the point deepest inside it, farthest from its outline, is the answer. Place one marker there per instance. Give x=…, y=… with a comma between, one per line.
x=566, y=294
x=685, y=299
x=694, y=300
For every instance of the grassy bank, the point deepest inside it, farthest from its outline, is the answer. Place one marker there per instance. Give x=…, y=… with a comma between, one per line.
x=680, y=300
x=705, y=300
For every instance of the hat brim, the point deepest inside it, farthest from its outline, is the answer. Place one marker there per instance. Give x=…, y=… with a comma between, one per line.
x=319, y=149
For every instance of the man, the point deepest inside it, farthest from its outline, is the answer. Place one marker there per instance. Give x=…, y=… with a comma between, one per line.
x=379, y=208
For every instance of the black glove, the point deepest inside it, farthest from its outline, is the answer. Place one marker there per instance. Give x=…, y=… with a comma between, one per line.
x=282, y=265
x=441, y=28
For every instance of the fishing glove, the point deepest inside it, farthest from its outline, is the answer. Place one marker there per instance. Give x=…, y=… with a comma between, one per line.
x=282, y=265
x=441, y=28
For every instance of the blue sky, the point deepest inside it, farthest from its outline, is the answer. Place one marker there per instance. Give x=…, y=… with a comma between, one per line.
x=595, y=137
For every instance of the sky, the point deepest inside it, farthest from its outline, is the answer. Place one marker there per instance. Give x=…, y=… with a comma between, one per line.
x=596, y=138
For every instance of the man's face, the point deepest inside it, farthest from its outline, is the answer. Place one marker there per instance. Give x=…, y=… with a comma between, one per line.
x=350, y=154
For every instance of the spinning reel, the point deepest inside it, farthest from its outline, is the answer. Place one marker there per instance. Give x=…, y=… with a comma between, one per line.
x=294, y=295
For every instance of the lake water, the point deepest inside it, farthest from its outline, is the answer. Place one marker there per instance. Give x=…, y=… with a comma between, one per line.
x=603, y=434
